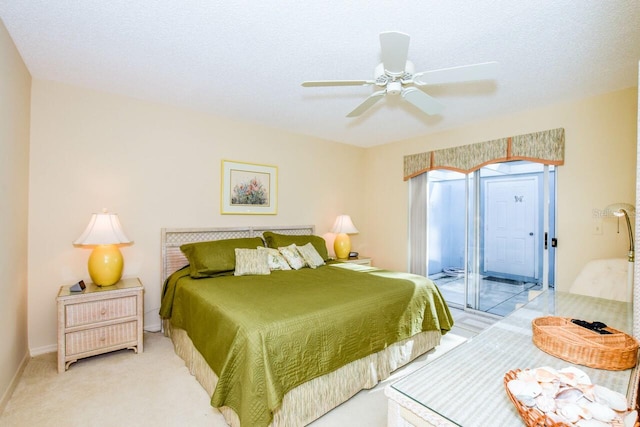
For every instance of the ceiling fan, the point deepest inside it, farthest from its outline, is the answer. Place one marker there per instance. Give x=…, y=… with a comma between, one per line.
x=396, y=76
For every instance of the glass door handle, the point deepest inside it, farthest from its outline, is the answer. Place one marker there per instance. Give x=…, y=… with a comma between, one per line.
x=554, y=241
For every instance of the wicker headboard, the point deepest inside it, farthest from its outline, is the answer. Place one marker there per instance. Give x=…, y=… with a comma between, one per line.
x=173, y=238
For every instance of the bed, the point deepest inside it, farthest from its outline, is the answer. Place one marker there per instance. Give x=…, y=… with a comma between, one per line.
x=283, y=348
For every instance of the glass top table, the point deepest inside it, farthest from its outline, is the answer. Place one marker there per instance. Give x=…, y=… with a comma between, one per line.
x=464, y=387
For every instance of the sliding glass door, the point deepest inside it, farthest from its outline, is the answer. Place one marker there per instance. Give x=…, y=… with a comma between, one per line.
x=486, y=234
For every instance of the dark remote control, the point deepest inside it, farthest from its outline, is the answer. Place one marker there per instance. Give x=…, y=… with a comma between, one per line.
x=594, y=326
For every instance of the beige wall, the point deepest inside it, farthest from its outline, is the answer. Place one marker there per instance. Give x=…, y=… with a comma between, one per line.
x=156, y=166
x=15, y=86
x=159, y=166
x=599, y=169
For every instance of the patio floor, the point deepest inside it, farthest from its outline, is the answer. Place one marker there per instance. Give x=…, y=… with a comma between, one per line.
x=497, y=296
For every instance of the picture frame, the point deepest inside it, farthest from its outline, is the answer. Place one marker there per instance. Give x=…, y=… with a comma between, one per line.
x=248, y=189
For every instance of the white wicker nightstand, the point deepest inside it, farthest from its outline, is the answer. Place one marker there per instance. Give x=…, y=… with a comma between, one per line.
x=99, y=320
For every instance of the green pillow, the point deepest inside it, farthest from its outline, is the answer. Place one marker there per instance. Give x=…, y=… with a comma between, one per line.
x=212, y=258
x=276, y=241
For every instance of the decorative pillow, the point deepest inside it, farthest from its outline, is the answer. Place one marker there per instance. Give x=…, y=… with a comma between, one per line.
x=293, y=257
x=310, y=255
x=275, y=240
x=275, y=259
x=251, y=262
x=214, y=257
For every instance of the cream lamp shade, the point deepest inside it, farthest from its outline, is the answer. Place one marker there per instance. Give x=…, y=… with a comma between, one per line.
x=342, y=243
x=104, y=233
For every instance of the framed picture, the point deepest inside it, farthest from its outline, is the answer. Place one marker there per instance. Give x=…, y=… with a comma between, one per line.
x=249, y=189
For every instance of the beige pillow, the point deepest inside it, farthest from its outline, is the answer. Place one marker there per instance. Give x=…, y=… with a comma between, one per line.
x=310, y=255
x=251, y=262
x=275, y=259
x=293, y=257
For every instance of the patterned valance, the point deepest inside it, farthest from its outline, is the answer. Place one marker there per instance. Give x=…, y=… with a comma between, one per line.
x=545, y=147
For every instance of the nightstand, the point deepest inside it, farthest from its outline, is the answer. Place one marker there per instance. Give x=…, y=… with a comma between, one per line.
x=99, y=320
x=362, y=260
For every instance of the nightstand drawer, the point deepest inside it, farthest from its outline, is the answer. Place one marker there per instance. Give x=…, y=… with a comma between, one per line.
x=98, y=311
x=96, y=338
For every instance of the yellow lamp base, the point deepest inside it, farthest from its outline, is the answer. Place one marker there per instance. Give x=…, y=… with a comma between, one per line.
x=342, y=246
x=105, y=265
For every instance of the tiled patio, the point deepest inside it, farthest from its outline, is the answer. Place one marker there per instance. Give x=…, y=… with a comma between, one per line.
x=497, y=296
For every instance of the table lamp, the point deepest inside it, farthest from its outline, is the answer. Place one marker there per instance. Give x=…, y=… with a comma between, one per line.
x=342, y=244
x=104, y=233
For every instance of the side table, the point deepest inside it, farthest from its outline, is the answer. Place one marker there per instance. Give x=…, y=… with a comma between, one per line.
x=99, y=320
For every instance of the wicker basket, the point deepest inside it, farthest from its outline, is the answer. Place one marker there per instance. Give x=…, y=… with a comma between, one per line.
x=533, y=417
x=561, y=338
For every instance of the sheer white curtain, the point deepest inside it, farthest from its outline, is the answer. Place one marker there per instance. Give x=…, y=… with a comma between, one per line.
x=418, y=224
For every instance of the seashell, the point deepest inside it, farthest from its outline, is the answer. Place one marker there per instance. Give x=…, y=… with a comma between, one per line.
x=550, y=389
x=599, y=411
x=573, y=376
x=556, y=418
x=526, y=375
x=630, y=419
x=568, y=378
x=617, y=421
x=546, y=403
x=610, y=398
x=592, y=423
x=546, y=374
x=588, y=391
x=570, y=394
x=570, y=411
x=524, y=388
x=527, y=401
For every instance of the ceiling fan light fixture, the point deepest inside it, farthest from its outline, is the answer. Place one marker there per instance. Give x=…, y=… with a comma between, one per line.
x=394, y=87
x=396, y=75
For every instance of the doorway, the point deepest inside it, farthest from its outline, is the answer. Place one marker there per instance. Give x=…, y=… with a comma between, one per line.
x=510, y=227
x=486, y=234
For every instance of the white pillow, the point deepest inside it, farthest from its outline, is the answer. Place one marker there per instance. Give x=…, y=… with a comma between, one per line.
x=310, y=255
x=275, y=259
x=251, y=262
x=293, y=257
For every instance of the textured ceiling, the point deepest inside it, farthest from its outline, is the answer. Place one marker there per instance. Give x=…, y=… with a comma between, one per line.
x=246, y=59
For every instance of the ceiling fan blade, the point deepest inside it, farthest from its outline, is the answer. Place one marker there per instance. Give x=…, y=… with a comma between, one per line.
x=368, y=103
x=395, y=48
x=423, y=101
x=483, y=71
x=338, y=83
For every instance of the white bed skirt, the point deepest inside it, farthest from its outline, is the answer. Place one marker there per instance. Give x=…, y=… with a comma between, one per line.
x=311, y=400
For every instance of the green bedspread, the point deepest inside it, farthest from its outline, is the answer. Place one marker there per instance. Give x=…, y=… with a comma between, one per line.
x=265, y=335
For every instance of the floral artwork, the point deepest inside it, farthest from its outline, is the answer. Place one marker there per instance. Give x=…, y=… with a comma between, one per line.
x=250, y=192
x=248, y=188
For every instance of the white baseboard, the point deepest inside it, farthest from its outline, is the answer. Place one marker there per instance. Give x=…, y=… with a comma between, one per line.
x=53, y=348
x=153, y=327
x=13, y=383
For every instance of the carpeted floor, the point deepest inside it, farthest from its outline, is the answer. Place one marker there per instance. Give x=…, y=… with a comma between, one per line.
x=155, y=389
